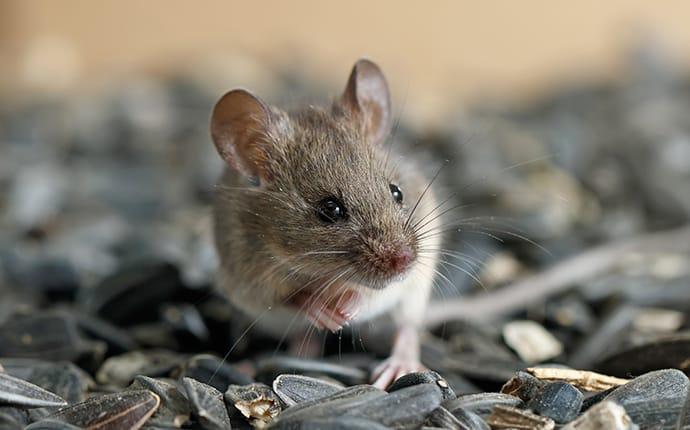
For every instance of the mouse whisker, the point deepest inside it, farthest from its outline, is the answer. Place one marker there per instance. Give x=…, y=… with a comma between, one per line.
x=438, y=206
x=421, y=196
x=317, y=299
x=452, y=253
x=438, y=272
x=416, y=228
x=472, y=267
x=507, y=169
x=301, y=308
x=469, y=273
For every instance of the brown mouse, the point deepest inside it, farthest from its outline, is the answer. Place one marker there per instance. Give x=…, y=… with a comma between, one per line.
x=312, y=224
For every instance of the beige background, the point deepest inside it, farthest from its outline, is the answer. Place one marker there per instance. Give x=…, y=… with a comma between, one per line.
x=431, y=51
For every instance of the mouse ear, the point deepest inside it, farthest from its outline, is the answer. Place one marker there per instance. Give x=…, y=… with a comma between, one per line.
x=367, y=98
x=239, y=128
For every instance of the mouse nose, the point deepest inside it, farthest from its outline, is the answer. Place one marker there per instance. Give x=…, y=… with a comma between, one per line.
x=399, y=258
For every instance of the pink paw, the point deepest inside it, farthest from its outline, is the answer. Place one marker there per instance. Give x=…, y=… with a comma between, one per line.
x=333, y=313
x=393, y=368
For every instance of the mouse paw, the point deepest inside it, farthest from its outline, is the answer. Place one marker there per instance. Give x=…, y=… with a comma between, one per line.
x=326, y=318
x=393, y=368
x=333, y=314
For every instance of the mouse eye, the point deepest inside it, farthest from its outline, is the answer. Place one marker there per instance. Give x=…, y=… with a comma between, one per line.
x=397, y=193
x=331, y=209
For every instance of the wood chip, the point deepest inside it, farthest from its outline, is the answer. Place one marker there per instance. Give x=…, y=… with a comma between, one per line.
x=582, y=379
x=504, y=417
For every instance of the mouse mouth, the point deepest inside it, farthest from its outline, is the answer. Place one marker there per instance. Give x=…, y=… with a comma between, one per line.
x=327, y=294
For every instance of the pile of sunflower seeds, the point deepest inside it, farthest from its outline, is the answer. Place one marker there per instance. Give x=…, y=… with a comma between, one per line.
x=108, y=318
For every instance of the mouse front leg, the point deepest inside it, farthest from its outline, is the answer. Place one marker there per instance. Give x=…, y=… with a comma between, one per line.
x=404, y=358
x=405, y=354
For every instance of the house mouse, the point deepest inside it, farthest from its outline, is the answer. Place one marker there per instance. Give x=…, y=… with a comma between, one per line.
x=317, y=225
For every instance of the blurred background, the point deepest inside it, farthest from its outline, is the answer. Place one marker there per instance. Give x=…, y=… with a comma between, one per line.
x=565, y=125
x=437, y=56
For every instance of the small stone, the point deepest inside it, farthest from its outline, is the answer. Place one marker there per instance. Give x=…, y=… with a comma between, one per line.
x=532, y=342
x=122, y=369
x=605, y=415
x=658, y=320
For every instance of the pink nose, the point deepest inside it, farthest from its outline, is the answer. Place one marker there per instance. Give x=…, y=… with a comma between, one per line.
x=400, y=258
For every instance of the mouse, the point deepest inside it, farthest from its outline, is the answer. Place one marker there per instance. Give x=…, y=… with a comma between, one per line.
x=319, y=223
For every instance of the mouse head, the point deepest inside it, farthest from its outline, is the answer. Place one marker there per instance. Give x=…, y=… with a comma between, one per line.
x=318, y=191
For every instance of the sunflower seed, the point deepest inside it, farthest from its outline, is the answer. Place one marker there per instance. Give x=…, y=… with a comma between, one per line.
x=442, y=418
x=427, y=377
x=15, y=391
x=214, y=372
x=61, y=378
x=13, y=418
x=333, y=423
x=654, y=400
x=404, y=408
x=293, y=389
x=482, y=404
x=257, y=402
x=558, y=401
x=469, y=420
x=174, y=409
x=53, y=335
x=522, y=385
x=51, y=424
x=335, y=404
x=130, y=410
x=660, y=353
x=207, y=404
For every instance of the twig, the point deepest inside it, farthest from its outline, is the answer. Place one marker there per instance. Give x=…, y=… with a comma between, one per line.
x=558, y=278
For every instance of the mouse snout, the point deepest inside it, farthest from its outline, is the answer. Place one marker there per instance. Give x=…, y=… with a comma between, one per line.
x=387, y=256
x=394, y=259
x=400, y=258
